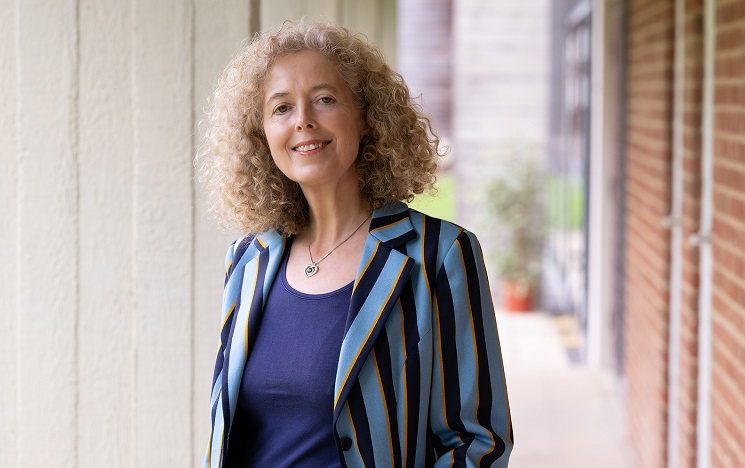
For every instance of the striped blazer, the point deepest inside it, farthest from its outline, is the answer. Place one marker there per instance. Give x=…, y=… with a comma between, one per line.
x=420, y=380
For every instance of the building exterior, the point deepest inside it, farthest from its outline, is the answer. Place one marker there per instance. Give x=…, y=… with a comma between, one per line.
x=665, y=261
x=109, y=262
x=685, y=285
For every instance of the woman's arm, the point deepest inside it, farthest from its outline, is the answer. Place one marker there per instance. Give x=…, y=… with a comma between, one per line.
x=469, y=411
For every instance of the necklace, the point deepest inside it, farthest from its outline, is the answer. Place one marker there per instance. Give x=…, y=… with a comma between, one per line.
x=312, y=268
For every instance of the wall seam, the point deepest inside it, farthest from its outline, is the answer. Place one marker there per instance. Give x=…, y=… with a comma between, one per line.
x=75, y=150
x=133, y=227
x=192, y=253
x=18, y=263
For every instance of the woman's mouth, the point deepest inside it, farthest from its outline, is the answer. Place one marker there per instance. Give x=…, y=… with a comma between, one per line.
x=304, y=148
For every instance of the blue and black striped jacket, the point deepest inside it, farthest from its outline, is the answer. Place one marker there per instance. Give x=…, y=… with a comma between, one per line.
x=420, y=380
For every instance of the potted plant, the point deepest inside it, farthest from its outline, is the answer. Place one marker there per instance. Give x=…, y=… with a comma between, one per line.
x=515, y=198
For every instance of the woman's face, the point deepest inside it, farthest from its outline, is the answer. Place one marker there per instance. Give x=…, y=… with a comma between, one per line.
x=311, y=121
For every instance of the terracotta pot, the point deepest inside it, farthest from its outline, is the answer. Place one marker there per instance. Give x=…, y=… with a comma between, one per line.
x=516, y=298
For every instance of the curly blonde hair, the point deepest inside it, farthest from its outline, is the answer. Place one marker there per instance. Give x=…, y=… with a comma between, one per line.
x=249, y=193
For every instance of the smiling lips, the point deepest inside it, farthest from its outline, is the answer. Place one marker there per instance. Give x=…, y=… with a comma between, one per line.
x=306, y=147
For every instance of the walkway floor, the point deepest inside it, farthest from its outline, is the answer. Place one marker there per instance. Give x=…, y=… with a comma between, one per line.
x=564, y=414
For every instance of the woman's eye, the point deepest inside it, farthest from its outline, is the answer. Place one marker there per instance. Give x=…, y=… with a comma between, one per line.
x=326, y=100
x=281, y=109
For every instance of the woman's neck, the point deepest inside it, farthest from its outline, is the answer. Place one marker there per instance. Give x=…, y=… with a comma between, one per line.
x=334, y=218
x=331, y=246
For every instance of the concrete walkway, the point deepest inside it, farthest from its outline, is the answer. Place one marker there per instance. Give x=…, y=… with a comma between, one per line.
x=564, y=414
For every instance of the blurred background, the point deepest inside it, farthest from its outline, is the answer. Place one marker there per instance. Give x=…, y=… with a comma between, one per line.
x=597, y=150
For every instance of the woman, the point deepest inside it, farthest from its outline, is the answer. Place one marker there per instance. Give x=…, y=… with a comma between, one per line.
x=355, y=331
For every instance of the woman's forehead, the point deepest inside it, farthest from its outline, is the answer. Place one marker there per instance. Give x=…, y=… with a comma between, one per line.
x=305, y=70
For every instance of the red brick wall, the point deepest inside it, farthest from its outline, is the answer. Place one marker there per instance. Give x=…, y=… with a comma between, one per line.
x=649, y=137
x=728, y=238
x=693, y=90
x=651, y=46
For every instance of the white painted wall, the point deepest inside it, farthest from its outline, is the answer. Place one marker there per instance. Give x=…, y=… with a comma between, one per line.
x=8, y=239
x=111, y=270
x=105, y=130
x=220, y=28
x=375, y=19
x=47, y=243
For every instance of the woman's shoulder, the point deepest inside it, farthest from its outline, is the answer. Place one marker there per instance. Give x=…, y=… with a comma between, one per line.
x=425, y=220
x=447, y=231
x=428, y=229
x=244, y=248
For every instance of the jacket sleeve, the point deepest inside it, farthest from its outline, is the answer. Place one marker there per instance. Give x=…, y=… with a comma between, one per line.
x=225, y=314
x=233, y=260
x=469, y=410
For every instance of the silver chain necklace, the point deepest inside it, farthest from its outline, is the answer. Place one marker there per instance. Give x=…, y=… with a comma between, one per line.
x=312, y=268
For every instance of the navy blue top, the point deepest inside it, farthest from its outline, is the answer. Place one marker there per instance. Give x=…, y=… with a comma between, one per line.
x=287, y=390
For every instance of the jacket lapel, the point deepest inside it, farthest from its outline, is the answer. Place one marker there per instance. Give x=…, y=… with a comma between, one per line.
x=258, y=275
x=383, y=273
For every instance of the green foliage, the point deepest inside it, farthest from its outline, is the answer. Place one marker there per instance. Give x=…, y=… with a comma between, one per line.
x=515, y=199
x=565, y=202
x=442, y=204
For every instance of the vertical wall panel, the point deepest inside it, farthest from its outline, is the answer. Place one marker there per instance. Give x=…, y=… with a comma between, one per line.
x=377, y=20
x=162, y=228
x=366, y=18
x=275, y=13
x=8, y=240
x=220, y=27
x=48, y=238
x=389, y=35
x=105, y=158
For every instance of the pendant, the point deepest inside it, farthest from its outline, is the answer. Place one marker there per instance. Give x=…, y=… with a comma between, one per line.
x=311, y=269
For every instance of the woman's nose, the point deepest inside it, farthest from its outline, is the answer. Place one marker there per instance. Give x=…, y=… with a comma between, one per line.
x=304, y=118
